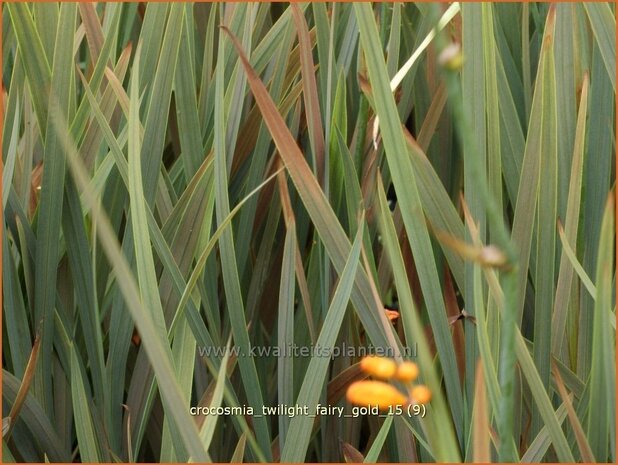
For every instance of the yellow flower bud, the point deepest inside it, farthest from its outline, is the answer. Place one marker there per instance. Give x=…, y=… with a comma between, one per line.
x=407, y=372
x=379, y=367
x=372, y=393
x=420, y=394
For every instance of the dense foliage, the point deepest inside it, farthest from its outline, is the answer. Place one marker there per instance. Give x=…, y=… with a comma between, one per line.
x=432, y=180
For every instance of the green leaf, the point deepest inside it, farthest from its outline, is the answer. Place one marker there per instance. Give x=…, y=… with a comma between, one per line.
x=37, y=68
x=539, y=446
x=547, y=213
x=565, y=274
x=374, y=452
x=300, y=427
x=310, y=92
x=543, y=403
x=602, y=381
x=186, y=104
x=285, y=332
x=33, y=416
x=84, y=428
x=231, y=282
x=473, y=82
x=404, y=180
x=442, y=441
x=50, y=206
x=208, y=428
x=603, y=22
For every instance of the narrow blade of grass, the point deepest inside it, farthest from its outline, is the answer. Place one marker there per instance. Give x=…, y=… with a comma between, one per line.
x=404, y=181
x=374, y=452
x=547, y=214
x=35, y=419
x=603, y=24
x=50, y=204
x=310, y=92
x=36, y=65
x=84, y=428
x=480, y=425
x=24, y=387
x=285, y=325
x=300, y=426
x=543, y=403
x=575, y=264
x=602, y=381
x=541, y=443
x=441, y=439
x=565, y=274
x=231, y=281
x=580, y=436
x=208, y=428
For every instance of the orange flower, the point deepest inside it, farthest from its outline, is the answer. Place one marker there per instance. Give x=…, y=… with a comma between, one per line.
x=379, y=367
x=372, y=393
x=420, y=394
x=407, y=372
x=392, y=315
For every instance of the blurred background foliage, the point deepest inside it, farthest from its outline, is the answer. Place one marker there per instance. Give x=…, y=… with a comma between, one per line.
x=171, y=185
